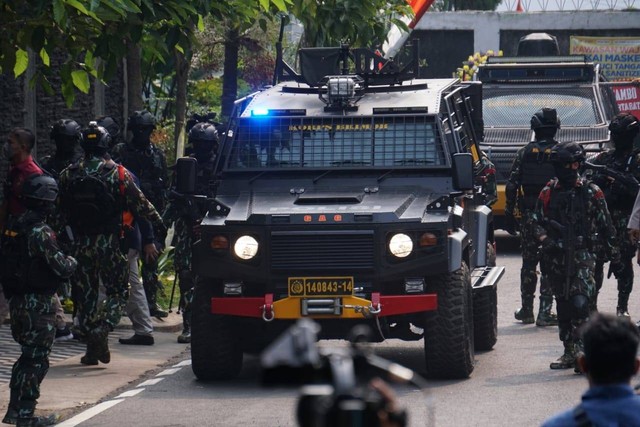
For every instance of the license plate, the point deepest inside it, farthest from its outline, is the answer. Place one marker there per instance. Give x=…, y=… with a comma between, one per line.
x=320, y=286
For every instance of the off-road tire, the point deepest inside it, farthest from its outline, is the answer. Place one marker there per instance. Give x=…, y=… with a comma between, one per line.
x=448, y=332
x=215, y=351
x=485, y=311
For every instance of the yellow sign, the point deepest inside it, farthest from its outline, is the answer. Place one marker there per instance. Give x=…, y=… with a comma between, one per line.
x=619, y=57
x=320, y=286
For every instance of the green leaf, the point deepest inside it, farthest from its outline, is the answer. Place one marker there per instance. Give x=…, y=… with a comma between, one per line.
x=22, y=61
x=58, y=11
x=280, y=4
x=45, y=57
x=265, y=4
x=68, y=93
x=80, y=80
x=179, y=49
x=200, y=23
x=76, y=4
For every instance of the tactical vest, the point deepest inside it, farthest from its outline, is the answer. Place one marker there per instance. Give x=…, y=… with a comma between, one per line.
x=148, y=166
x=569, y=208
x=90, y=203
x=618, y=196
x=53, y=165
x=537, y=170
x=21, y=273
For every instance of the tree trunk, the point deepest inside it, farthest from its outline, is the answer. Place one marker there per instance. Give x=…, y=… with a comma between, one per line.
x=134, y=76
x=183, y=64
x=230, y=77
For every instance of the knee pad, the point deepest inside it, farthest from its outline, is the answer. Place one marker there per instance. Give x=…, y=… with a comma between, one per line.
x=580, y=306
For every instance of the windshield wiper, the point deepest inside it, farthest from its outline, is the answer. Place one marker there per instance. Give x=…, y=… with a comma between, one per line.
x=384, y=175
x=413, y=162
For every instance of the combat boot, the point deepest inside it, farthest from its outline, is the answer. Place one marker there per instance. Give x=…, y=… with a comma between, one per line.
x=568, y=358
x=102, y=345
x=525, y=313
x=185, y=336
x=11, y=417
x=545, y=316
x=91, y=357
x=623, y=301
x=34, y=421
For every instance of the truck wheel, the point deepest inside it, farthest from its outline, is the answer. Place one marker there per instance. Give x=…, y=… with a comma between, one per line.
x=485, y=311
x=485, y=318
x=448, y=332
x=215, y=350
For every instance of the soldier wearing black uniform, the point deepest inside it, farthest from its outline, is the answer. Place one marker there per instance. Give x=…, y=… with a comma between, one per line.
x=66, y=133
x=187, y=214
x=112, y=127
x=620, y=195
x=531, y=170
x=149, y=164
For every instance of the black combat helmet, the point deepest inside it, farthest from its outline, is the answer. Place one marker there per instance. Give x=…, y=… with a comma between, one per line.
x=95, y=139
x=545, y=118
x=39, y=191
x=141, y=119
x=567, y=152
x=624, y=126
x=110, y=125
x=203, y=138
x=66, y=133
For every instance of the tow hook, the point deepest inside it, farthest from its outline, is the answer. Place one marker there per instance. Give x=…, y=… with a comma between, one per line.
x=268, y=313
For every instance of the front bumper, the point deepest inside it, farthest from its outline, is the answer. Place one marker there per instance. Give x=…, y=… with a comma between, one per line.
x=347, y=307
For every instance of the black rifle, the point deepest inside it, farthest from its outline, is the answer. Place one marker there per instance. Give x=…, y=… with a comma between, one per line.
x=569, y=244
x=629, y=182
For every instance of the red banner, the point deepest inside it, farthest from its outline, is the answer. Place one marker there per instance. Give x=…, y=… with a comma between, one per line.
x=628, y=98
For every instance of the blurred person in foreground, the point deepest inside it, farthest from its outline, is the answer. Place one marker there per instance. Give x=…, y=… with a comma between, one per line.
x=609, y=361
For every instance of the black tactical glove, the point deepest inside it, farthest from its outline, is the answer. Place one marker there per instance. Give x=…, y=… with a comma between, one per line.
x=550, y=246
x=510, y=223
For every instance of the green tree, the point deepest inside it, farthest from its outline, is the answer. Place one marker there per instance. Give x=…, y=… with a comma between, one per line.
x=358, y=23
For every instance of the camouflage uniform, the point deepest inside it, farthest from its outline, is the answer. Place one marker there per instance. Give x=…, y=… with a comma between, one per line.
x=486, y=178
x=55, y=164
x=584, y=210
x=186, y=215
x=99, y=254
x=39, y=268
x=620, y=200
x=530, y=171
x=150, y=166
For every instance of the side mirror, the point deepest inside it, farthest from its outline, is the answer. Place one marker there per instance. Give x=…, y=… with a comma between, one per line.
x=463, y=171
x=186, y=175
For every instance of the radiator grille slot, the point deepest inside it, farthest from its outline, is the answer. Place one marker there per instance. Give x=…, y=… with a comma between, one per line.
x=316, y=250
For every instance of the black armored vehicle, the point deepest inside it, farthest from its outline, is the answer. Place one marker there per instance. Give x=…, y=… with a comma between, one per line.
x=514, y=88
x=348, y=195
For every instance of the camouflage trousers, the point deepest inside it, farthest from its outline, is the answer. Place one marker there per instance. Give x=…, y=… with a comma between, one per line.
x=573, y=292
x=182, y=266
x=33, y=327
x=100, y=257
x=150, y=282
x=627, y=252
x=531, y=257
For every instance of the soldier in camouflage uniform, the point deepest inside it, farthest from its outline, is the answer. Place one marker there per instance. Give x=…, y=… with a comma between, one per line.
x=531, y=170
x=149, y=164
x=66, y=134
x=32, y=268
x=187, y=213
x=620, y=197
x=94, y=193
x=569, y=215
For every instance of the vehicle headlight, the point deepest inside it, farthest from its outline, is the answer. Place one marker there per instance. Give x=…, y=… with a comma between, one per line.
x=246, y=247
x=400, y=245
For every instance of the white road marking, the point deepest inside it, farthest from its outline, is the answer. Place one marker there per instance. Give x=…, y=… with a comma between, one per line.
x=168, y=372
x=89, y=413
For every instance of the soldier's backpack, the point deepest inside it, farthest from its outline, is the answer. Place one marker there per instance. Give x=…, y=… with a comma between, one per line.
x=90, y=203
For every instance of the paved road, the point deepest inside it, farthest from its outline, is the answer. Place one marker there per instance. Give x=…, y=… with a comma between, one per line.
x=511, y=385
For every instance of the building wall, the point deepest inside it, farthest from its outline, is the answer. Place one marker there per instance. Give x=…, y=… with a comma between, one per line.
x=502, y=30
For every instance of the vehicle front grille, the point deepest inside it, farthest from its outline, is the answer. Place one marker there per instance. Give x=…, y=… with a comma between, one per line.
x=583, y=135
x=506, y=136
x=304, y=250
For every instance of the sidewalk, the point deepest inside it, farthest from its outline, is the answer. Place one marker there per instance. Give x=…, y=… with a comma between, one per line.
x=70, y=386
